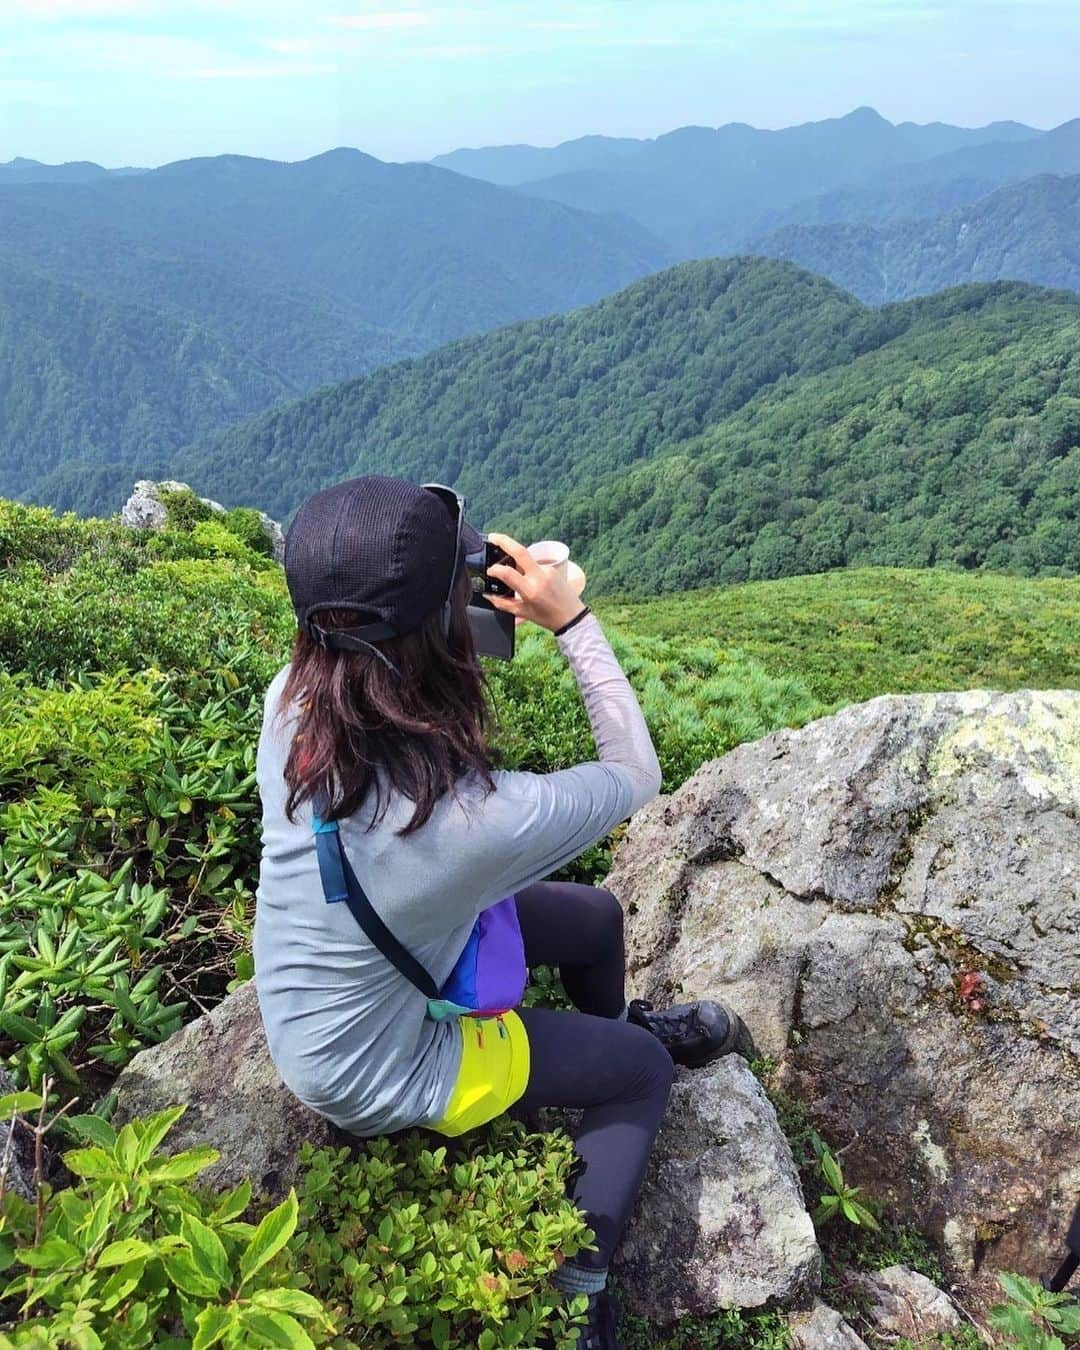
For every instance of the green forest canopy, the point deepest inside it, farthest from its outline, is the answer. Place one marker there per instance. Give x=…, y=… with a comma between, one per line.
x=721, y=421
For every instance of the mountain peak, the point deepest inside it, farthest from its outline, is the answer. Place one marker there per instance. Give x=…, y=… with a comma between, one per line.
x=867, y=115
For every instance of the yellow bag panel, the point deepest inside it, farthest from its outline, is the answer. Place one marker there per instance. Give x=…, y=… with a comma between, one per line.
x=494, y=1072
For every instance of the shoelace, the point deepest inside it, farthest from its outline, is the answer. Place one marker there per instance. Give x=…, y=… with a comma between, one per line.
x=671, y=1026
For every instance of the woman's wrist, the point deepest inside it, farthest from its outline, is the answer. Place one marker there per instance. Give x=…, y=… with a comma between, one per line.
x=576, y=619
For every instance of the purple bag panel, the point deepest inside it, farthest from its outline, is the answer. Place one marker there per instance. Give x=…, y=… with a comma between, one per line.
x=490, y=974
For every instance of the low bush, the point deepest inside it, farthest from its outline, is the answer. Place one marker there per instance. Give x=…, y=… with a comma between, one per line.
x=395, y=1244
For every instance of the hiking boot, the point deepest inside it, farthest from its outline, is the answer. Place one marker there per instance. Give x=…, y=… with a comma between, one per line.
x=694, y=1033
x=598, y=1333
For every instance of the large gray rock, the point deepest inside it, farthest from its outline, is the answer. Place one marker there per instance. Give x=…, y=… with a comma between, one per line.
x=891, y=896
x=144, y=510
x=720, y=1221
x=220, y=1068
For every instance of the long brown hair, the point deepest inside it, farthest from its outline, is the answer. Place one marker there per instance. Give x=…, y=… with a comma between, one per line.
x=424, y=729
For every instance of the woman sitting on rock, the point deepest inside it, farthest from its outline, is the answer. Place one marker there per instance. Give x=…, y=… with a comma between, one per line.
x=376, y=730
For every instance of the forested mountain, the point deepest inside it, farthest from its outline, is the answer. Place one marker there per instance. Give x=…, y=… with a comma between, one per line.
x=113, y=378
x=712, y=190
x=722, y=420
x=1027, y=232
x=294, y=274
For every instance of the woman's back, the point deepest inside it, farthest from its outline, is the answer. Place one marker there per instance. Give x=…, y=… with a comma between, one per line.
x=348, y=1033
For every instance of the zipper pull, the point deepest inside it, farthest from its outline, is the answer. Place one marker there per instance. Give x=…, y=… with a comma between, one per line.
x=479, y=1036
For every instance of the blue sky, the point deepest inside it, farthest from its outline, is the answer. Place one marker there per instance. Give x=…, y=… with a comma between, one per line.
x=148, y=81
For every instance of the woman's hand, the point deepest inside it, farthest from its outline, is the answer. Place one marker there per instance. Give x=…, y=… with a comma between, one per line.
x=542, y=594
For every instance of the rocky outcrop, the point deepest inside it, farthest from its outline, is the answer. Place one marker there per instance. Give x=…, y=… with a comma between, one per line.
x=144, y=510
x=720, y=1221
x=891, y=897
x=220, y=1068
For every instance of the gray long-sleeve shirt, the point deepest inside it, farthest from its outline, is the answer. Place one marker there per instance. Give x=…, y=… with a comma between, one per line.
x=348, y=1034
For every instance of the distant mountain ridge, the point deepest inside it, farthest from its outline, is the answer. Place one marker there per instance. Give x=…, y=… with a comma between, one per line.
x=709, y=191
x=19, y=170
x=1029, y=231
x=296, y=274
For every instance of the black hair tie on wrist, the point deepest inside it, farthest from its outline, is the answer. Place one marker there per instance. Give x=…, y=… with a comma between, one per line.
x=576, y=619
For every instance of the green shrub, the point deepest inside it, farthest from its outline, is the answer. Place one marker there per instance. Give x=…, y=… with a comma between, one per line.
x=732, y=1329
x=128, y=853
x=391, y=1243
x=246, y=523
x=417, y=1247
x=184, y=508
x=133, y=1255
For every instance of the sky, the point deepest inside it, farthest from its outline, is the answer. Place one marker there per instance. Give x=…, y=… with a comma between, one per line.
x=144, y=82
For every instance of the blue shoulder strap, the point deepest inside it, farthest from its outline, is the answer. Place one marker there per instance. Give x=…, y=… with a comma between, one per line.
x=339, y=883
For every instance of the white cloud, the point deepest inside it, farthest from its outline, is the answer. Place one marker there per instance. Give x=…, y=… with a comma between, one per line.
x=409, y=18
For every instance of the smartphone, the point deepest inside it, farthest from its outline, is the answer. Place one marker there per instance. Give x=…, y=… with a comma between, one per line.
x=494, y=554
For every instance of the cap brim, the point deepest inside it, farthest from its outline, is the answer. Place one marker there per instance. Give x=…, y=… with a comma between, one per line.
x=472, y=540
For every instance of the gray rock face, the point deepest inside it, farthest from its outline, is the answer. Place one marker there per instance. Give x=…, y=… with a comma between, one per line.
x=219, y=1066
x=891, y=897
x=17, y=1146
x=144, y=510
x=901, y=1302
x=720, y=1221
x=822, y=1328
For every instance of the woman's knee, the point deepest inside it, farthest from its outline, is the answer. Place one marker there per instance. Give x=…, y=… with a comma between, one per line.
x=608, y=910
x=654, y=1065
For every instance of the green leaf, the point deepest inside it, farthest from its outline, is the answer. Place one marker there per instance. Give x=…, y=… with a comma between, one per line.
x=1067, y=1320
x=119, y=1253
x=288, y=1300
x=53, y=1252
x=211, y=1324
x=91, y=1163
x=154, y=1130
x=1020, y=1289
x=830, y=1170
x=19, y=1101
x=95, y=1129
x=269, y=1237
x=183, y=1272
x=207, y=1251
x=1013, y=1321
x=234, y=1202
x=120, y=1283
x=277, y=1328
x=182, y=1165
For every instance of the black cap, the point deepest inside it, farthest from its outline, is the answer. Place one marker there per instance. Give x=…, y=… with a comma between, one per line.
x=381, y=546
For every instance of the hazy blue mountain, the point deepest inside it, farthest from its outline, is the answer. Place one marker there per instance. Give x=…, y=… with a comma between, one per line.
x=295, y=274
x=1029, y=231
x=19, y=170
x=710, y=190
x=509, y=165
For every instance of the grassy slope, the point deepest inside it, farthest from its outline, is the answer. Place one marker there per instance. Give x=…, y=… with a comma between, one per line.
x=850, y=635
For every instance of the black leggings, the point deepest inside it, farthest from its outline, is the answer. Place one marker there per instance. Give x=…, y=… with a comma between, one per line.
x=618, y=1072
